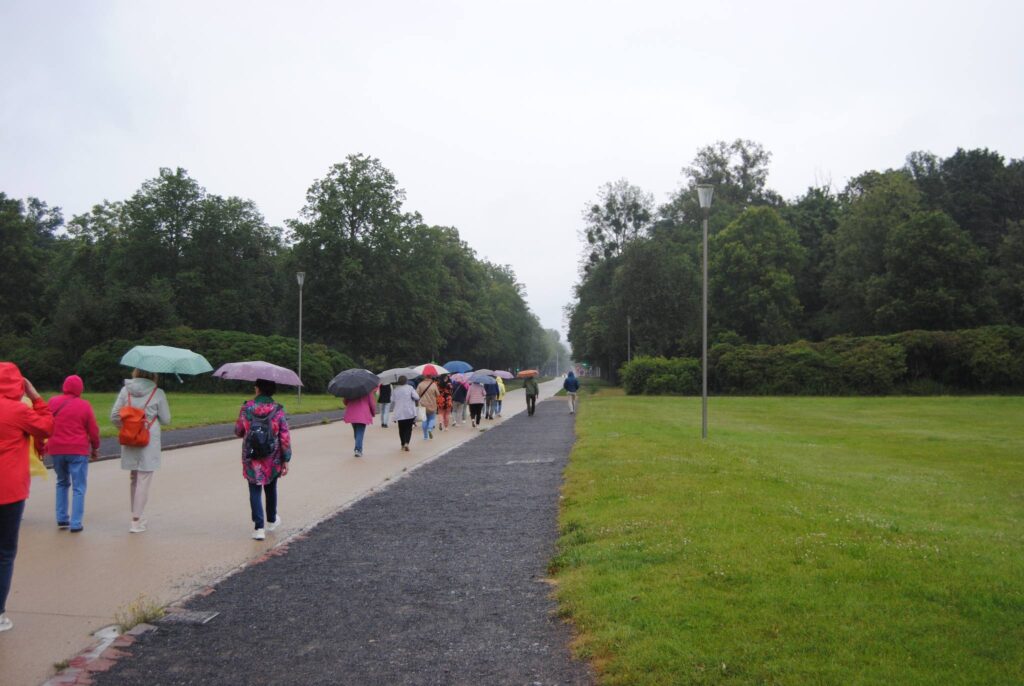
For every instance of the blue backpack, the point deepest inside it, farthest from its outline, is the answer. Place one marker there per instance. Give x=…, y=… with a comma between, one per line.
x=261, y=440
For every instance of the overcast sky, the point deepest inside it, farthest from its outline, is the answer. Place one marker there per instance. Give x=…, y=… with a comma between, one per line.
x=502, y=119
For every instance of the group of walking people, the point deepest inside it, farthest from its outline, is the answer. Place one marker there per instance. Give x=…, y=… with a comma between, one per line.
x=66, y=430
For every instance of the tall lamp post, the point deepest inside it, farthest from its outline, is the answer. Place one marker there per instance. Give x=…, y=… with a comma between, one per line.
x=704, y=193
x=301, y=278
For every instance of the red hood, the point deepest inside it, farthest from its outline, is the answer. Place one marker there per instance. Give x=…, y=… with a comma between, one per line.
x=73, y=385
x=12, y=383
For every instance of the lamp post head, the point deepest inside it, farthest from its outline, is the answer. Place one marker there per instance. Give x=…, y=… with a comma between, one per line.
x=704, y=193
x=300, y=277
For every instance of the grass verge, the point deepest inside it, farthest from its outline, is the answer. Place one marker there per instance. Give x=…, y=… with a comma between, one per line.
x=809, y=540
x=142, y=610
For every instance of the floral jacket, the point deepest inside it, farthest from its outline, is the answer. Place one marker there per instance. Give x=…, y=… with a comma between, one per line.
x=264, y=470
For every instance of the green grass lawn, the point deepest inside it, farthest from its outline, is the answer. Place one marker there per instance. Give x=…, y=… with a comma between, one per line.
x=201, y=409
x=808, y=541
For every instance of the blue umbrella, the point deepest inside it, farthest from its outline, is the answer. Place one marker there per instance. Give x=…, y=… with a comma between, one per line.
x=458, y=367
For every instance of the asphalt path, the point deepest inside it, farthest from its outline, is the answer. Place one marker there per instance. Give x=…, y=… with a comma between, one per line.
x=438, y=579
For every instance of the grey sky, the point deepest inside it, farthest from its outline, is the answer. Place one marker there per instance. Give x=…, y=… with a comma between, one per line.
x=501, y=119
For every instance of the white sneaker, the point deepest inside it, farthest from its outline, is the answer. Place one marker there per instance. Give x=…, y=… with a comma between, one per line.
x=137, y=527
x=5, y=623
x=259, y=535
x=274, y=524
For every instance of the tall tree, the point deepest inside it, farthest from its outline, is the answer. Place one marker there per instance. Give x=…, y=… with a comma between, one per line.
x=621, y=214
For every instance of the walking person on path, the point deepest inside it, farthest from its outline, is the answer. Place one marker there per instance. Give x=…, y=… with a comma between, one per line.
x=459, y=391
x=359, y=412
x=266, y=451
x=532, y=391
x=490, y=397
x=444, y=402
x=475, y=398
x=18, y=425
x=501, y=396
x=428, y=393
x=403, y=407
x=141, y=391
x=572, y=387
x=384, y=403
x=75, y=442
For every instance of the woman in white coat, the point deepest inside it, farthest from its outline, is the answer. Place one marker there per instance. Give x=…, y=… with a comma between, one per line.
x=141, y=391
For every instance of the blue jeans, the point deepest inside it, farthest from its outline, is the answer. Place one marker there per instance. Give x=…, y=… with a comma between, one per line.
x=73, y=471
x=384, y=414
x=10, y=522
x=359, y=430
x=256, y=502
x=428, y=424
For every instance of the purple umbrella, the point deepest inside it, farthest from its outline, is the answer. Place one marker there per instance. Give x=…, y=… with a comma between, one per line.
x=502, y=374
x=258, y=369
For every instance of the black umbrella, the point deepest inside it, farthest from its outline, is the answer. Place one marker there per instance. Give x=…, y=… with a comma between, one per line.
x=353, y=383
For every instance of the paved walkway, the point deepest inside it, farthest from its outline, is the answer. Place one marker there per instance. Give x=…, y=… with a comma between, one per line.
x=68, y=586
x=440, y=579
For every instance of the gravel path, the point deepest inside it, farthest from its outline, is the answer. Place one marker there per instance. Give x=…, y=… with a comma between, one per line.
x=439, y=579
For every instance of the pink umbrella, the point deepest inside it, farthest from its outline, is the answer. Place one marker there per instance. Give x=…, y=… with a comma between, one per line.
x=502, y=374
x=258, y=369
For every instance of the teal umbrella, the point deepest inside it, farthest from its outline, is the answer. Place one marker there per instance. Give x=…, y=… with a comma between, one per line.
x=164, y=359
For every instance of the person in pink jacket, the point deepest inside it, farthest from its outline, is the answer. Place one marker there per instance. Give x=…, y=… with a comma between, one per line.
x=18, y=423
x=475, y=399
x=75, y=440
x=359, y=412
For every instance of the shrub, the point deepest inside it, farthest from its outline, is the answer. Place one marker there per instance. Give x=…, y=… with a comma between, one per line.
x=661, y=376
x=100, y=365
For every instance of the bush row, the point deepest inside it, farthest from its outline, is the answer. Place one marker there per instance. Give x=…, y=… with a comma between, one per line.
x=988, y=359
x=101, y=369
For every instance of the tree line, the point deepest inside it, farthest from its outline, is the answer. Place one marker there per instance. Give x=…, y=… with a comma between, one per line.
x=382, y=286
x=935, y=245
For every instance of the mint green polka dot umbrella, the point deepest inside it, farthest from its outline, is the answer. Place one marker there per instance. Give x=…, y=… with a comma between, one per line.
x=163, y=359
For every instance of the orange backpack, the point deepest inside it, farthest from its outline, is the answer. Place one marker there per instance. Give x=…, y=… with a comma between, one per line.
x=134, y=427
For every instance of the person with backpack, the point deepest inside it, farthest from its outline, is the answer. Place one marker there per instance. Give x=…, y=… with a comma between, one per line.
x=140, y=410
x=75, y=442
x=428, y=393
x=572, y=387
x=19, y=425
x=532, y=391
x=266, y=451
x=359, y=412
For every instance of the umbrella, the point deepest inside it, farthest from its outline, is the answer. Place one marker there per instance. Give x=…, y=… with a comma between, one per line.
x=391, y=375
x=255, y=370
x=485, y=371
x=353, y=383
x=527, y=372
x=164, y=359
x=458, y=366
x=481, y=378
x=430, y=369
x=501, y=373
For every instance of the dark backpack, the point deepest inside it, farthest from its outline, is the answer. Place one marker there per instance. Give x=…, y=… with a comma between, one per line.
x=261, y=440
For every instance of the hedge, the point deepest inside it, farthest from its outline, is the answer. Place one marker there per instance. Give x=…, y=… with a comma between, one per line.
x=984, y=360
x=100, y=365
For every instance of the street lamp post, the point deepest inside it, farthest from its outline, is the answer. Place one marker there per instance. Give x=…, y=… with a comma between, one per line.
x=705, y=191
x=301, y=278
x=629, y=338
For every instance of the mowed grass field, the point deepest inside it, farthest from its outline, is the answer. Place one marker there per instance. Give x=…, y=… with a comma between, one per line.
x=202, y=409
x=808, y=541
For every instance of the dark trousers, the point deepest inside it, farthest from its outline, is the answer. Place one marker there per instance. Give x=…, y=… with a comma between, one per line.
x=256, y=502
x=10, y=522
x=531, y=404
x=405, y=430
x=474, y=411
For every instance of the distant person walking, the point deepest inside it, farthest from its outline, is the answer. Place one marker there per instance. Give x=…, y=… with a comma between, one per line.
x=490, y=398
x=572, y=387
x=266, y=451
x=532, y=391
x=141, y=392
x=501, y=397
x=459, y=404
x=359, y=412
x=18, y=425
x=403, y=407
x=384, y=403
x=428, y=393
x=75, y=441
x=444, y=402
x=476, y=398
